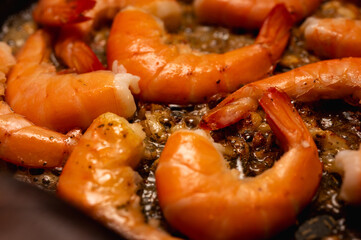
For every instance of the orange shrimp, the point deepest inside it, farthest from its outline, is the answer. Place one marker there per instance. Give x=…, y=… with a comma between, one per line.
x=204, y=199
x=249, y=13
x=64, y=102
x=7, y=60
x=21, y=142
x=333, y=37
x=348, y=163
x=331, y=79
x=71, y=46
x=99, y=177
x=59, y=12
x=176, y=74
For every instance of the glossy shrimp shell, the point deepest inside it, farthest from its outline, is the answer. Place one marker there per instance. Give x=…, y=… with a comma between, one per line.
x=99, y=177
x=64, y=101
x=333, y=37
x=249, y=13
x=176, y=74
x=204, y=199
x=331, y=79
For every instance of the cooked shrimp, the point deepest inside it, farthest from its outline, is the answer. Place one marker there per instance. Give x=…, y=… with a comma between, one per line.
x=333, y=37
x=249, y=13
x=204, y=199
x=99, y=177
x=176, y=74
x=7, y=60
x=71, y=46
x=331, y=79
x=59, y=12
x=21, y=142
x=64, y=102
x=348, y=162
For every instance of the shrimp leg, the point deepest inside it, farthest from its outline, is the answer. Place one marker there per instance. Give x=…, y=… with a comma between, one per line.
x=176, y=74
x=99, y=177
x=332, y=79
x=201, y=197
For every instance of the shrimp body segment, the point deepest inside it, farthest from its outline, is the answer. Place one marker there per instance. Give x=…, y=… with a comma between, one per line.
x=176, y=74
x=331, y=79
x=249, y=13
x=99, y=177
x=333, y=37
x=201, y=197
x=348, y=162
x=64, y=102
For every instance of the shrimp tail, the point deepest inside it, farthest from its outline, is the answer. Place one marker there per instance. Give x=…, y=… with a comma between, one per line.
x=283, y=118
x=221, y=117
x=77, y=55
x=275, y=31
x=66, y=12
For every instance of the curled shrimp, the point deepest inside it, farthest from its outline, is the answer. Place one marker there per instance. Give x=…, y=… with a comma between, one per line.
x=249, y=13
x=176, y=74
x=99, y=177
x=23, y=143
x=331, y=79
x=202, y=198
x=71, y=46
x=333, y=37
x=63, y=102
x=348, y=163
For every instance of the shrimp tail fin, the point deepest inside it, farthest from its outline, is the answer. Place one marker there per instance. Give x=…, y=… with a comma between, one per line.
x=60, y=14
x=275, y=31
x=225, y=115
x=77, y=55
x=284, y=119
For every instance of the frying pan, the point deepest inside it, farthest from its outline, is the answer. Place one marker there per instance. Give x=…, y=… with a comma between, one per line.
x=29, y=213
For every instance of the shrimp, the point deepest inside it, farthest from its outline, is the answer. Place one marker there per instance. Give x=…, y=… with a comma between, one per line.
x=204, y=199
x=176, y=74
x=348, y=163
x=22, y=143
x=7, y=60
x=249, y=13
x=64, y=102
x=59, y=12
x=333, y=37
x=99, y=177
x=331, y=79
x=71, y=46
